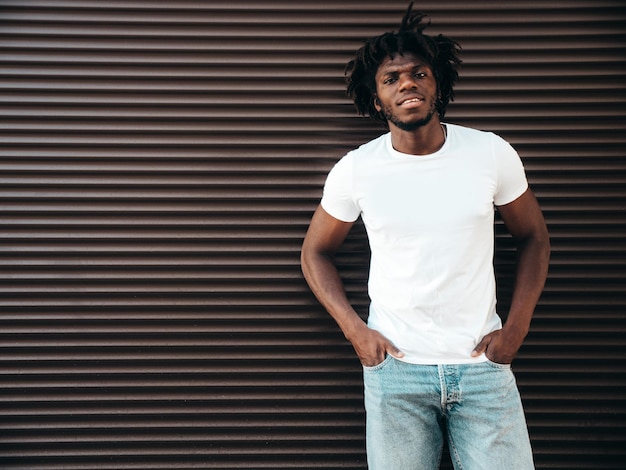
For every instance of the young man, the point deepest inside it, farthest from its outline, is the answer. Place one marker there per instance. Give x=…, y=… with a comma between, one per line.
x=436, y=357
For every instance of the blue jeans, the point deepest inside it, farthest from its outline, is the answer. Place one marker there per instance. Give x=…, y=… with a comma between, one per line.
x=476, y=408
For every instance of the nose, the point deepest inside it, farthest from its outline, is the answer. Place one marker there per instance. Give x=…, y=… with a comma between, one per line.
x=407, y=82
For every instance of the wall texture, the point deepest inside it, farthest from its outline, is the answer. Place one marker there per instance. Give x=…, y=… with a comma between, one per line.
x=159, y=163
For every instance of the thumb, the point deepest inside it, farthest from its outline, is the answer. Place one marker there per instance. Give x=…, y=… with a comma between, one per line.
x=393, y=351
x=481, y=347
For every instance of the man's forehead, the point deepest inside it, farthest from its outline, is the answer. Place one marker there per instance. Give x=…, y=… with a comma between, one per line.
x=399, y=61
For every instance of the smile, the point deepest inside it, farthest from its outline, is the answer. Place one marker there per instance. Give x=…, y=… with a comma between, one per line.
x=414, y=101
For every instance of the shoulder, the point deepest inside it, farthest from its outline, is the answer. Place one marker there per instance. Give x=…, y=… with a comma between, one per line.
x=360, y=156
x=470, y=133
x=484, y=142
x=373, y=147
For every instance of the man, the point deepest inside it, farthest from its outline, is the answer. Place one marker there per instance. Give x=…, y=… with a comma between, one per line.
x=436, y=357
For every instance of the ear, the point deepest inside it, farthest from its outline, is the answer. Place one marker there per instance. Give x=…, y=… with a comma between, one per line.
x=377, y=104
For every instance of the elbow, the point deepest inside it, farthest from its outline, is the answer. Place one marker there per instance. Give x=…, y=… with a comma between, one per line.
x=304, y=260
x=313, y=259
x=547, y=247
x=544, y=254
x=538, y=245
x=307, y=258
x=304, y=257
x=544, y=242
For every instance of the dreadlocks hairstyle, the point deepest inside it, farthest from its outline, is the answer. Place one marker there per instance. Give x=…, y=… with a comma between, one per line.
x=440, y=52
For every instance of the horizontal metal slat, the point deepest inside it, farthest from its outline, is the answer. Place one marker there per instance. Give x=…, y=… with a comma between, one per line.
x=160, y=165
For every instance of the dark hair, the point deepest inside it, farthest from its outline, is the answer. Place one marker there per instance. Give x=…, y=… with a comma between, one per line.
x=440, y=52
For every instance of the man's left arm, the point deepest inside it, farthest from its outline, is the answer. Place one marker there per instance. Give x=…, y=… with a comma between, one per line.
x=525, y=222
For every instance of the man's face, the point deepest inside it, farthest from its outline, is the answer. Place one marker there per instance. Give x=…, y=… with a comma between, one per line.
x=406, y=91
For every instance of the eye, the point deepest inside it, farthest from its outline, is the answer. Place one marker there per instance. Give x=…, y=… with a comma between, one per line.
x=420, y=75
x=389, y=80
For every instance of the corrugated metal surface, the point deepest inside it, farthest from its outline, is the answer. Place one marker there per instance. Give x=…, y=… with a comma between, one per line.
x=159, y=164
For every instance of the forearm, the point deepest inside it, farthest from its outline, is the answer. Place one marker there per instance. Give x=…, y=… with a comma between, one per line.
x=324, y=281
x=532, y=267
x=531, y=272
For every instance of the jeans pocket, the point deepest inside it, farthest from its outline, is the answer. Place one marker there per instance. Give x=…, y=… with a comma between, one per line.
x=386, y=361
x=497, y=365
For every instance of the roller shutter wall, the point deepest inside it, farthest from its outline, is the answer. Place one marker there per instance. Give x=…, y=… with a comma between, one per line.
x=160, y=162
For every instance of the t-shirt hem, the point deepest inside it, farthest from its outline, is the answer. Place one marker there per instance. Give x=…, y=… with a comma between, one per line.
x=442, y=361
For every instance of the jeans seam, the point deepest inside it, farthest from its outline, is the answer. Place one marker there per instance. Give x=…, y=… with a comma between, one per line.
x=454, y=453
x=444, y=391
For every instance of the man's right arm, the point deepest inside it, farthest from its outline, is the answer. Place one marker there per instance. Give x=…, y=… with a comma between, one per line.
x=324, y=237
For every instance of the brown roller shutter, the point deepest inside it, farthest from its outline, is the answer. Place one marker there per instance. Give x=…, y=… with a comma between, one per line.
x=159, y=165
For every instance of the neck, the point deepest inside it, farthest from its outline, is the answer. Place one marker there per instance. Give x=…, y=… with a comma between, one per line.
x=423, y=141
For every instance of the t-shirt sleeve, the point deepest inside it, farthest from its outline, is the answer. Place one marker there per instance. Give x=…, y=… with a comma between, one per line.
x=512, y=182
x=338, y=198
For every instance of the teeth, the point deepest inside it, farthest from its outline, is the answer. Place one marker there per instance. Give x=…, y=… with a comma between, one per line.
x=412, y=100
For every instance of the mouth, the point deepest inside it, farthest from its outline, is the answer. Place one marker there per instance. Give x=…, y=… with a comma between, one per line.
x=411, y=101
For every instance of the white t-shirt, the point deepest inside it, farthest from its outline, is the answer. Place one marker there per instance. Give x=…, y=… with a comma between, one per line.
x=429, y=221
